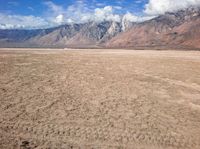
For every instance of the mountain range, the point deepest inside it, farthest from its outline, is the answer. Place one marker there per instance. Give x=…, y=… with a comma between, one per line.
x=179, y=29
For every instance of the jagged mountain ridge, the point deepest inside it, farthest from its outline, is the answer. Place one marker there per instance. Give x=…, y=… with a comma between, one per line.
x=74, y=35
x=181, y=28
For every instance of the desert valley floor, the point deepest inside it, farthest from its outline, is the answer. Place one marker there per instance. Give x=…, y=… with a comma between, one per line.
x=99, y=99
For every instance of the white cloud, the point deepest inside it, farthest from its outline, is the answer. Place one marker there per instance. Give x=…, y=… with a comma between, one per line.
x=106, y=13
x=54, y=15
x=80, y=12
x=133, y=18
x=56, y=9
x=9, y=26
x=59, y=19
x=130, y=18
x=118, y=7
x=157, y=7
x=19, y=21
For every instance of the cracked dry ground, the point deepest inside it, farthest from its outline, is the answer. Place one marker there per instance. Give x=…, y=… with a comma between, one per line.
x=99, y=99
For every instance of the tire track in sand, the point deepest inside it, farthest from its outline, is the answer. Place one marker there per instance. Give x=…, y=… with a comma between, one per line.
x=95, y=136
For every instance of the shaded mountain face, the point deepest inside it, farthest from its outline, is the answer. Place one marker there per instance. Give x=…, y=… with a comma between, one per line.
x=20, y=38
x=69, y=35
x=180, y=29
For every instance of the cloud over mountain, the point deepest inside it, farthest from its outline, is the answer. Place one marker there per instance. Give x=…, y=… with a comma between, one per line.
x=19, y=21
x=106, y=13
x=157, y=7
x=81, y=11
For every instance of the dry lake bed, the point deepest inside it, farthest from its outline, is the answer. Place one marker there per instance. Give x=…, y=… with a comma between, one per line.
x=99, y=99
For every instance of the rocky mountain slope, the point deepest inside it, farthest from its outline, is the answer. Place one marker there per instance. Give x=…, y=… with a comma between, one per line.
x=71, y=35
x=89, y=34
x=179, y=29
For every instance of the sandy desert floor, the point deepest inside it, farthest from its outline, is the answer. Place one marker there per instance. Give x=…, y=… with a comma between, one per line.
x=99, y=99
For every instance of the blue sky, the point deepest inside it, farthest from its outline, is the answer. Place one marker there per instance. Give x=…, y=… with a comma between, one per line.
x=49, y=13
x=38, y=7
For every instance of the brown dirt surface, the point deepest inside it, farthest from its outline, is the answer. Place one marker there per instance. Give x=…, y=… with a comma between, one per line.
x=99, y=99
